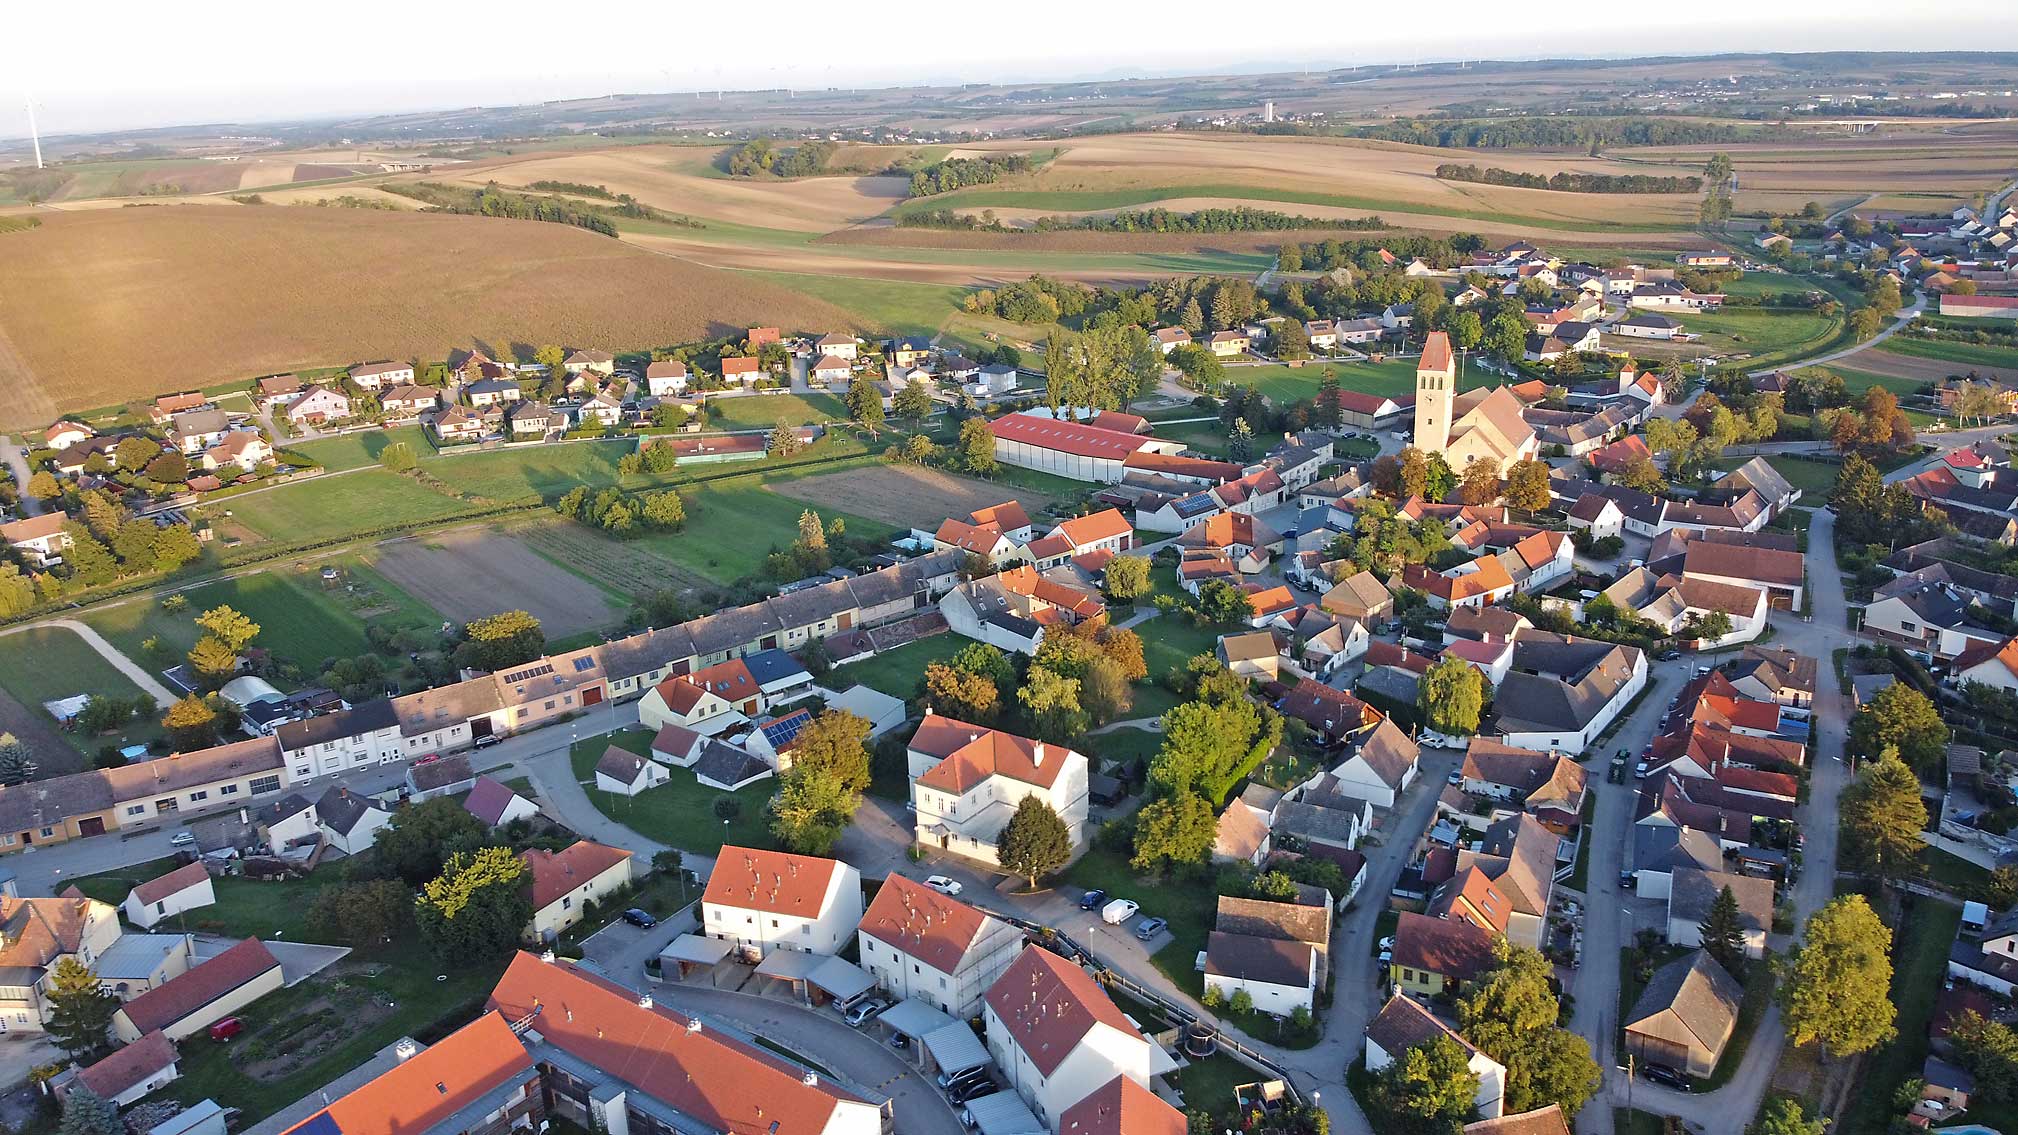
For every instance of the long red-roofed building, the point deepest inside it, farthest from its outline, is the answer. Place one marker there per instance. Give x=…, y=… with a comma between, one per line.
x=1081, y=451
x=766, y=900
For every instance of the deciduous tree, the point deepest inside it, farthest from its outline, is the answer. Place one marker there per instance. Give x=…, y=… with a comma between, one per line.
x=1902, y=719
x=368, y=915
x=414, y=844
x=913, y=403
x=1480, y=484
x=478, y=906
x=1451, y=694
x=1782, y=1115
x=1511, y=1016
x=1834, y=987
x=1527, y=486
x=1126, y=578
x=1052, y=703
x=496, y=642
x=836, y=741
x=1429, y=1090
x=811, y=809
x=191, y=723
x=1035, y=842
x=1172, y=831
x=1883, y=815
x=960, y=694
x=975, y=451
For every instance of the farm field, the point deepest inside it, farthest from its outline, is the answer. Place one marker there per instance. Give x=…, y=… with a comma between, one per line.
x=298, y=620
x=622, y=568
x=329, y=508
x=234, y=292
x=893, y=307
x=1962, y=355
x=1883, y=361
x=732, y=524
x=468, y=573
x=762, y=411
x=356, y=450
x=1914, y=171
x=46, y=663
x=908, y=496
x=1766, y=335
x=1857, y=381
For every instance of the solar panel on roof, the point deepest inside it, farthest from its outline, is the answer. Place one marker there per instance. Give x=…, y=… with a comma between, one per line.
x=321, y=1123
x=785, y=729
x=585, y=662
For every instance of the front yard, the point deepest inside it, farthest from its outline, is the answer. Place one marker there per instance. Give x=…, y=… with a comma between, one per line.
x=681, y=812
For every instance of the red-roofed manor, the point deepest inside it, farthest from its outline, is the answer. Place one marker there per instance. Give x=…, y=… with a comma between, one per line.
x=967, y=780
x=774, y=900
x=1057, y=1037
x=921, y=944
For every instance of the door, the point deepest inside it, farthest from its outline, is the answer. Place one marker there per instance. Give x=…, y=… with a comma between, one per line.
x=592, y=696
x=480, y=727
x=92, y=825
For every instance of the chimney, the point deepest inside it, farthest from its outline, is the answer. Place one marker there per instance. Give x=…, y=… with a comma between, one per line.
x=693, y=1024
x=406, y=1049
x=547, y=956
x=1038, y=758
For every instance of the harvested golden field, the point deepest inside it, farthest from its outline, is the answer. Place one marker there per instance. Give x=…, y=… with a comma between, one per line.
x=907, y=494
x=669, y=178
x=1345, y=174
x=1069, y=240
x=1928, y=167
x=112, y=306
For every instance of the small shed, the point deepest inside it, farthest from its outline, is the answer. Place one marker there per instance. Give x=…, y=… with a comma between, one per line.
x=1975, y=916
x=690, y=954
x=816, y=978
x=1003, y=1113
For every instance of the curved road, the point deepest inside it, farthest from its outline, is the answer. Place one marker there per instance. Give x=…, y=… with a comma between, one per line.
x=139, y=676
x=1899, y=321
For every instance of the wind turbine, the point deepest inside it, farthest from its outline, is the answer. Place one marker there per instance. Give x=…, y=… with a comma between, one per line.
x=33, y=134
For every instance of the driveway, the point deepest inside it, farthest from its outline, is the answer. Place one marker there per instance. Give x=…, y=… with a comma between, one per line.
x=17, y=463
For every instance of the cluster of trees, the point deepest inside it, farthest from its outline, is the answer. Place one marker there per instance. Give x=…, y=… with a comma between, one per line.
x=1900, y=721
x=1978, y=402
x=1878, y=426
x=1881, y=302
x=491, y=201
x=500, y=641
x=763, y=156
x=1568, y=182
x=1555, y=132
x=1869, y=511
x=1511, y=1015
x=818, y=796
x=811, y=552
x=1382, y=541
x=958, y=173
x=215, y=657
x=1237, y=219
x=1100, y=368
x=1210, y=742
x=1039, y=299
x=625, y=515
x=107, y=543
x=1716, y=206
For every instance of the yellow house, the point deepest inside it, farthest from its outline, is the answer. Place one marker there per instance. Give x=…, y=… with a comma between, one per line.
x=1432, y=955
x=186, y=1005
x=566, y=881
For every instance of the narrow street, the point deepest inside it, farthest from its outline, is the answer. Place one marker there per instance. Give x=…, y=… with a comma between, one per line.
x=17, y=466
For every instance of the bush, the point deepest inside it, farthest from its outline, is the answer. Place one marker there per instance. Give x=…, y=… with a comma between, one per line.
x=727, y=807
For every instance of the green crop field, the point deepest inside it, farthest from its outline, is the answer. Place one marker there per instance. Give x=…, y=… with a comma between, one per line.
x=891, y=306
x=352, y=451
x=1963, y=354
x=328, y=508
x=47, y=663
x=1769, y=335
x=733, y=524
x=762, y=411
x=546, y=471
x=299, y=622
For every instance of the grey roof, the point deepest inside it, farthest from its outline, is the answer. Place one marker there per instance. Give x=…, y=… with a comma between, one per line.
x=341, y=810
x=1312, y=821
x=1403, y=1023
x=1246, y=957
x=914, y=1018
x=441, y=772
x=1703, y=997
x=1004, y=1113
x=424, y=711
x=1662, y=849
x=1390, y=682
x=135, y=957
x=367, y=717
x=955, y=1046
x=723, y=763
x=646, y=652
x=1941, y=1074
x=1530, y=853
x=1756, y=474
x=1559, y=682
x=621, y=765
x=292, y=804
x=1691, y=893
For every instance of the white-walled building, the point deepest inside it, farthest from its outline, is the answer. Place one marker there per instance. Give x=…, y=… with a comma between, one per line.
x=1280, y=976
x=1403, y=1024
x=188, y=887
x=564, y=881
x=924, y=945
x=773, y=900
x=967, y=780
x=1056, y=1036
x=625, y=773
x=1069, y=449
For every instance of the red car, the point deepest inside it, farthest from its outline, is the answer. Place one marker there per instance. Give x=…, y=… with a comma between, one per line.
x=226, y=1029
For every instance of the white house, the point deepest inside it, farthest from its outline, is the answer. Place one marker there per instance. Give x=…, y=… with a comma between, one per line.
x=1279, y=976
x=773, y=900
x=497, y=804
x=350, y=820
x=690, y=705
x=838, y=344
x=1991, y=663
x=991, y=380
x=1056, y=1036
x=1600, y=516
x=1562, y=691
x=1381, y=767
x=967, y=780
x=185, y=888
x=627, y=774
x=366, y=733
x=666, y=377
x=243, y=450
x=1403, y=1024
x=128, y=1074
x=39, y=538
x=317, y=405
x=922, y=945
x=829, y=369
x=565, y=881
x=372, y=376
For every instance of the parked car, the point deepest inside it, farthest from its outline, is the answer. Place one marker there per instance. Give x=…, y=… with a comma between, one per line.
x=226, y=1029
x=1387, y=949
x=487, y=741
x=899, y=1041
x=1455, y=778
x=1091, y=900
x=1119, y=911
x=182, y=839
x=1640, y=770
x=1667, y=1077
x=864, y=1010
x=943, y=884
x=1150, y=927
x=972, y=1089
x=1628, y=880
x=640, y=918
x=1668, y=655
x=1437, y=740
x=961, y=1075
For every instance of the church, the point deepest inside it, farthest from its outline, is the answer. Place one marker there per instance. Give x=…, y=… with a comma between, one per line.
x=1478, y=425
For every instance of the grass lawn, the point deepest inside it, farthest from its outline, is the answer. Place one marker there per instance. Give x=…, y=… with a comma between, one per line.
x=329, y=508
x=546, y=471
x=299, y=622
x=1122, y=745
x=1964, y=355
x=1205, y=437
x=763, y=411
x=680, y=812
x=1769, y=335
x=1208, y=1085
x=898, y=672
x=732, y=524
x=1952, y=872
x=352, y=451
x=1815, y=479
x=1919, y=965
x=245, y=907
x=48, y=663
x=1633, y=1121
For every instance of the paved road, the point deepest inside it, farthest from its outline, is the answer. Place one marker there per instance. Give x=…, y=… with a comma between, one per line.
x=1900, y=320
x=17, y=463
x=133, y=670
x=1727, y=1110
x=1944, y=443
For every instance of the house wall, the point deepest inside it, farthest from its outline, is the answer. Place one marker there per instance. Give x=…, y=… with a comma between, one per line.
x=1280, y=1000
x=958, y=993
x=1687, y=932
x=1099, y=1056
x=826, y=933
x=345, y=753
x=1573, y=742
x=1357, y=778
x=565, y=911
x=204, y=1017
x=975, y=819
x=145, y=915
x=1418, y=982
x=361, y=837
x=1027, y=456
x=651, y=774
x=229, y=792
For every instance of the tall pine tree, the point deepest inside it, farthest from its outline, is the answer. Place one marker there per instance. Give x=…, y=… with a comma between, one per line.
x=80, y=1011
x=1723, y=933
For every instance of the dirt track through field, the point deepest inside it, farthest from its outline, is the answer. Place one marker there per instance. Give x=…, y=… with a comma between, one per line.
x=471, y=573
x=903, y=494
x=1927, y=370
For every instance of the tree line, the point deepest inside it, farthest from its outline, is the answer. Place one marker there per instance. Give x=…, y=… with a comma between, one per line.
x=762, y=156
x=1567, y=182
x=958, y=173
x=1238, y=219
x=1552, y=133
x=491, y=201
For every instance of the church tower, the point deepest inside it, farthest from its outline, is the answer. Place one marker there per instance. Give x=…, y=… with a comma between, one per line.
x=1435, y=388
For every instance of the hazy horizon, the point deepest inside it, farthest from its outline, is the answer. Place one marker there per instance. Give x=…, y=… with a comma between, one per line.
x=158, y=68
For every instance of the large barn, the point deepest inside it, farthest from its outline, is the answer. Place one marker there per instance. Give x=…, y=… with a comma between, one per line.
x=1079, y=450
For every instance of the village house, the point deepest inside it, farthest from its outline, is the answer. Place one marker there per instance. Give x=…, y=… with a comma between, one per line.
x=39, y=539
x=566, y=881
x=625, y=773
x=838, y=344
x=240, y=450
x=773, y=900
x=967, y=780
x=186, y=888
x=1563, y=691
x=920, y=944
x=1403, y=1024
x=497, y=804
x=665, y=378
x=65, y=434
x=830, y=370
x=1056, y=1036
x=350, y=821
x=38, y=933
x=375, y=376
x=318, y=405
x=1433, y=956
x=210, y=991
x=127, y=1075
x=1229, y=344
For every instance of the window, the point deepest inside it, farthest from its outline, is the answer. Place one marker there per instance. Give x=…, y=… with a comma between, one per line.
x=915, y=968
x=774, y=924
x=567, y=902
x=136, y=809
x=265, y=784
x=47, y=832
x=550, y=703
x=228, y=790
x=200, y=794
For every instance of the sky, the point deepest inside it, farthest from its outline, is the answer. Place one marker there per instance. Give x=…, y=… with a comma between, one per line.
x=124, y=64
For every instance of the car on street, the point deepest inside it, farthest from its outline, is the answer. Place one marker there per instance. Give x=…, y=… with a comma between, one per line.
x=943, y=884
x=1386, y=949
x=1668, y=655
x=182, y=839
x=640, y=918
x=1455, y=778
x=1437, y=740
x=1119, y=911
x=1640, y=770
x=1150, y=927
x=487, y=741
x=864, y=1010
x=1628, y=880
x=1091, y=900
x=1666, y=1077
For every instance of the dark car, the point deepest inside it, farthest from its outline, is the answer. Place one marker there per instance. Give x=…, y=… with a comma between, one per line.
x=971, y=1089
x=1666, y=1077
x=1092, y=900
x=643, y=918
x=1669, y=655
x=1628, y=880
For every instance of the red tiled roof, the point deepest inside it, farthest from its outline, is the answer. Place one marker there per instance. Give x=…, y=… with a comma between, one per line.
x=1453, y=948
x=923, y=923
x=183, y=995
x=1091, y=529
x=1614, y=458
x=129, y=1066
x=1074, y=438
x=1121, y=1107
x=1008, y=516
x=428, y=1088
x=555, y=873
x=1150, y=461
x=1764, y=565
x=730, y=1086
x=731, y=680
x=776, y=882
x=737, y=366
x=33, y=527
x=1048, y=1005
x=1435, y=352
x=979, y=753
x=161, y=886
